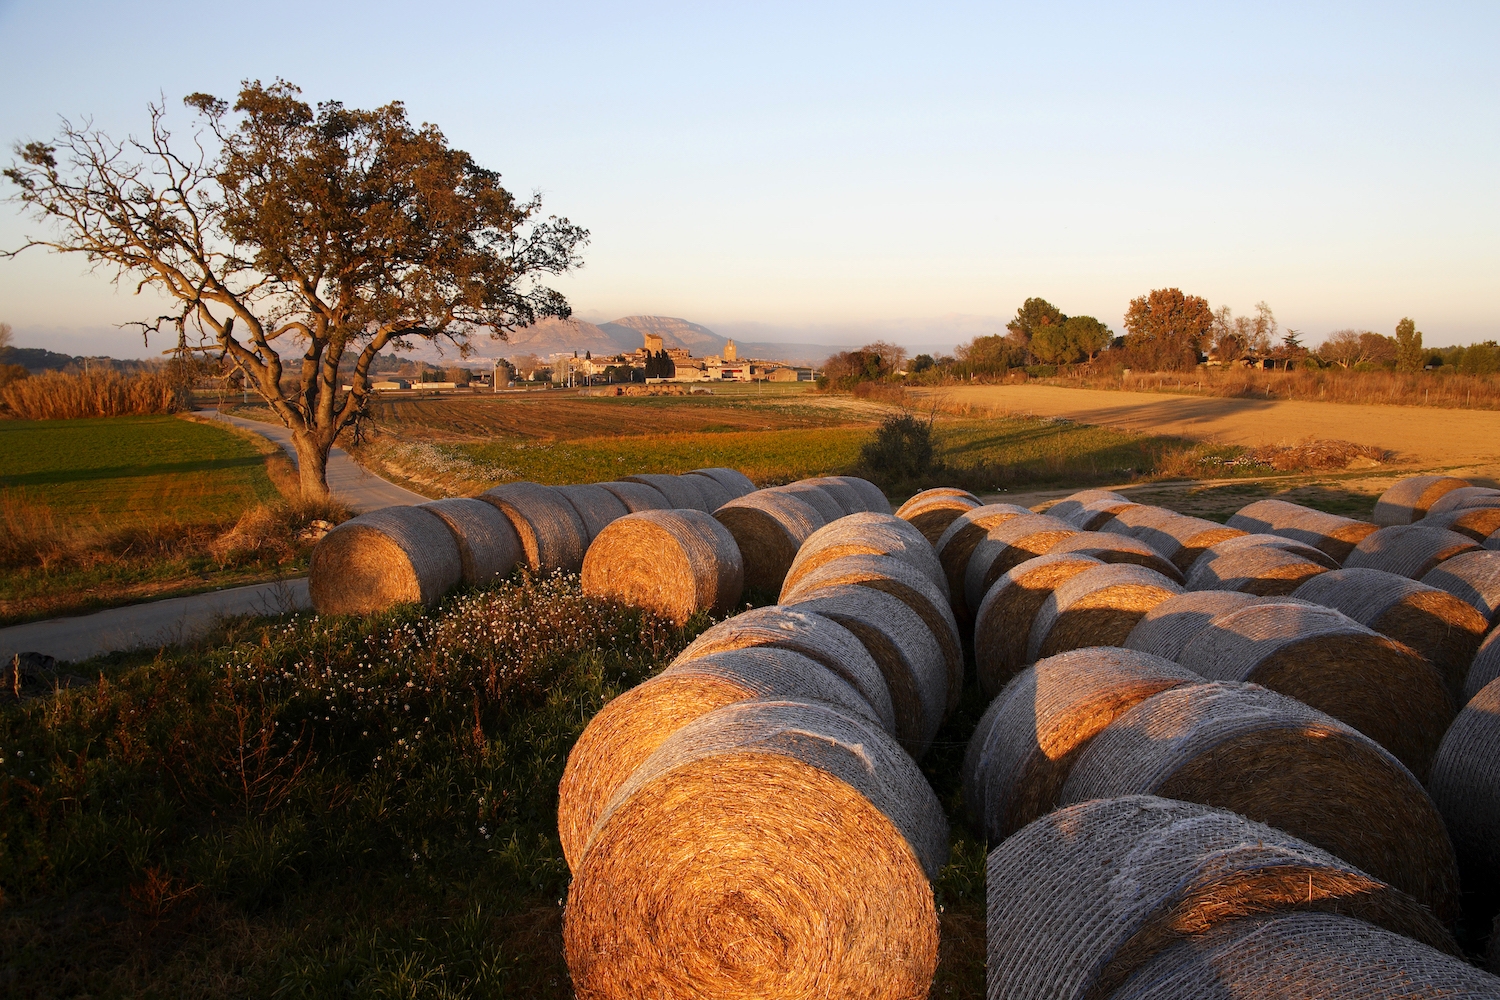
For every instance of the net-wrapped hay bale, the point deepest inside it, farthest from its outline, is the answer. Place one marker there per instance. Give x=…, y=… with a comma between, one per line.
x=390, y=556
x=1261, y=539
x=1473, y=577
x=769, y=527
x=1182, y=539
x=868, y=534
x=1410, y=498
x=1094, y=514
x=553, y=536
x=1330, y=533
x=917, y=499
x=1479, y=523
x=1025, y=745
x=488, y=547
x=674, y=563
x=905, y=650
x=1441, y=626
x=638, y=496
x=1277, y=761
x=824, y=502
x=1465, y=784
x=1135, y=518
x=732, y=480
x=1167, y=628
x=814, y=636
x=1006, y=546
x=1098, y=607
x=1485, y=668
x=1259, y=570
x=596, y=506
x=1070, y=505
x=771, y=849
x=1493, y=955
x=630, y=728
x=1112, y=547
x=957, y=544
x=1082, y=898
x=682, y=492
x=1002, y=625
x=931, y=512
x=847, y=497
x=1408, y=550
x=1464, y=498
x=715, y=494
x=871, y=498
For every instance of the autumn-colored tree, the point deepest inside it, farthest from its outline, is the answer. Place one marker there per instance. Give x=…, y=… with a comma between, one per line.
x=1409, y=356
x=1165, y=329
x=279, y=231
x=1032, y=316
x=993, y=354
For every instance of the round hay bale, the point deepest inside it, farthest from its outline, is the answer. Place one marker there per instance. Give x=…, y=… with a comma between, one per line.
x=387, y=557
x=715, y=495
x=1261, y=570
x=1008, y=545
x=1182, y=539
x=769, y=849
x=1479, y=523
x=815, y=497
x=638, y=496
x=631, y=727
x=1261, y=539
x=1464, y=498
x=905, y=650
x=596, y=506
x=847, y=497
x=1325, y=659
x=1025, y=745
x=1410, y=498
x=1002, y=625
x=1073, y=503
x=682, y=492
x=1330, y=533
x=1493, y=955
x=814, y=636
x=1277, y=761
x=488, y=547
x=1473, y=577
x=552, y=534
x=933, y=514
x=1408, y=550
x=1293, y=956
x=674, y=563
x=769, y=528
x=1485, y=668
x=1133, y=519
x=868, y=534
x=733, y=480
x=1465, y=785
x=1167, y=628
x=918, y=499
x=1113, y=547
x=958, y=541
x=1082, y=898
x=1093, y=515
x=872, y=498
x=1442, y=627
x=905, y=583
x=1098, y=607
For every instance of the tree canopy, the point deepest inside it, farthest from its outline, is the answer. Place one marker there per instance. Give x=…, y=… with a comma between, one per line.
x=1033, y=315
x=1166, y=329
x=1409, y=356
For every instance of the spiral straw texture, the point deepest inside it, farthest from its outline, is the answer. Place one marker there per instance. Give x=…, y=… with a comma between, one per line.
x=1465, y=784
x=1260, y=570
x=771, y=849
x=1486, y=666
x=682, y=492
x=1167, y=628
x=1006, y=546
x=1408, y=550
x=552, y=534
x=1071, y=505
x=1274, y=760
x=769, y=528
x=735, y=482
x=868, y=534
x=1473, y=577
x=1082, y=898
x=1410, y=498
x=958, y=542
x=1002, y=626
x=1112, y=547
x=386, y=557
x=675, y=563
x=638, y=496
x=596, y=506
x=1330, y=533
x=1098, y=607
x=488, y=547
x=932, y=511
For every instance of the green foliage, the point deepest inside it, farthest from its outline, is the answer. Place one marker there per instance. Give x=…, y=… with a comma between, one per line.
x=1033, y=315
x=900, y=452
x=992, y=355
x=1479, y=359
x=1408, y=346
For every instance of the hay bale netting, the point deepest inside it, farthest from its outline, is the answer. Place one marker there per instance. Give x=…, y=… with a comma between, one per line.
x=1002, y=625
x=1093, y=515
x=734, y=482
x=1081, y=899
x=814, y=636
x=682, y=492
x=1098, y=607
x=1410, y=498
x=1073, y=503
x=715, y=495
x=1293, y=956
x=1464, y=498
x=1408, y=549
x=1479, y=523
x=553, y=536
x=1325, y=659
x=905, y=650
x=769, y=527
x=1182, y=539
x=868, y=534
x=1026, y=742
x=1445, y=629
x=1008, y=545
x=638, y=496
x=932, y=511
x=1167, y=628
x=917, y=499
x=630, y=728
x=488, y=546
x=771, y=849
x=1259, y=570
x=674, y=563
x=815, y=497
x=1473, y=577
x=957, y=544
x=1277, y=761
x=1113, y=547
x=1486, y=666
x=596, y=506
x=847, y=497
x=872, y=497
x=1331, y=533
x=386, y=557
x=1465, y=784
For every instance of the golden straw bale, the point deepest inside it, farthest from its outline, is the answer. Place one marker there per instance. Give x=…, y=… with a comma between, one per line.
x=1261, y=570
x=1181, y=538
x=596, y=506
x=908, y=654
x=1008, y=545
x=958, y=541
x=488, y=546
x=1465, y=784
x=1410, y=498
x=1293, y=956
x=1408, y=549
x=1082, y=898
x=1445, y=629
x=1175, y=622
x=814, y=636
x=770, y=850
x=552, y=534
x=1137, y=516
x=1474, y=577
x=1464, y=498
x=847, y=497
x=918, y=499
x=814, y=496
x=1002, y=625
x=1113, y=547
x=1025, y=745
x=715, y=495
x=386, y=557
x=931, y=515
x=1485, y=668
x=902, y=581
x=682, y=492
x=868, y=534
x=733, y=480
x=1072, y=504
x=1260, y=539
x=769, y=528
x=638, y=496
x=1098, y=607
x=632, y=726
x=1479, y=523
x=1094, y=514
x=674, y=563
x=1325, y=659
x=1277, y=761
x=1330, y=533
x=871, y=498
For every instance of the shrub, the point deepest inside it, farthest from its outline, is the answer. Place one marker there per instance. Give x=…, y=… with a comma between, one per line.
x=901, y=451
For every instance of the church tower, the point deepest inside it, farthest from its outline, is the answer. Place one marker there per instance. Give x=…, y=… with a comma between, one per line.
x=731, y=353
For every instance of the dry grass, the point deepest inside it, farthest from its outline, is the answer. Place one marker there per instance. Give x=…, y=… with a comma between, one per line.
x=101, y=393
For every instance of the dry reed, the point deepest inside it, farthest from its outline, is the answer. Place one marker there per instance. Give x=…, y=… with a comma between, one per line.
x=1410, y=498
x=1329, y=533
x=1465, y=784
x=868, y=534
x=638, y=496
x=1006, y=546
x=931, y=511
x=674, y=563
x=957, y=544
x=98, y=393
x=386, y=557
x=595, y=505
x=1410, y=550
x=1002, y=625
x=488, y=545
x=1098, y=607
x=1474, y=577
x=769, y=527
x=1113, y=547
x=682, y=492
x=552, y=534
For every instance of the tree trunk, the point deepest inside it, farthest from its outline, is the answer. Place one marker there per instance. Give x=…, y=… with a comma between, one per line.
x=312, y=466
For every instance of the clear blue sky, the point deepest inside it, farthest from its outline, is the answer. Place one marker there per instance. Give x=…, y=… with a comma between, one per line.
x=828, y=171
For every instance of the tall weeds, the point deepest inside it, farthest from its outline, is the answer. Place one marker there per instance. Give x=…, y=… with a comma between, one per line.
x=102, y=393
x=1449, y=390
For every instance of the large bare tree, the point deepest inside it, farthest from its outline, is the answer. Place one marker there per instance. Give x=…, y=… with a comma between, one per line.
x=292, y=239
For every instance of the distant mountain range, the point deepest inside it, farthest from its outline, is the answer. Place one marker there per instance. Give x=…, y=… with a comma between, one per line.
x=552, y=336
